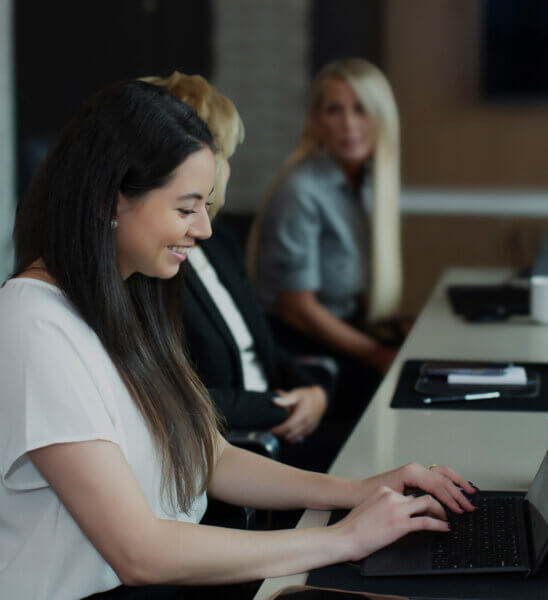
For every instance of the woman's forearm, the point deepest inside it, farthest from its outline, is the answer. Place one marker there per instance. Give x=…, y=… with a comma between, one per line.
x=188, y=554
x=247, y=479
x=303, y=312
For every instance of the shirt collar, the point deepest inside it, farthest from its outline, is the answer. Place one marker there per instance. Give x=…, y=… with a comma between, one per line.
x=332, y=174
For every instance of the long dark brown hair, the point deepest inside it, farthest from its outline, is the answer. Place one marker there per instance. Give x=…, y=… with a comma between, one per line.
x=128, y=138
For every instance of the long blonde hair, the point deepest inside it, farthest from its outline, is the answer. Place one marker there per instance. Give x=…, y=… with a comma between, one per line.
x=221, y=116
x=373, y=91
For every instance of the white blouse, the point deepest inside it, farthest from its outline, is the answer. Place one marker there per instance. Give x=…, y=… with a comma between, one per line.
x=59, y=385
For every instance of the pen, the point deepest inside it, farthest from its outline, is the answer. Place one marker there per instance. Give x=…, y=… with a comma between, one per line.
x=483, y=396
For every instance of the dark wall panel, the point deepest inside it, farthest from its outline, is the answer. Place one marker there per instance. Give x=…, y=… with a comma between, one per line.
x=66, y=50
x=344, y=29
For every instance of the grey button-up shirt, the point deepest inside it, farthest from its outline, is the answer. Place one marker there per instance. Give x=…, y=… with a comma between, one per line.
x=315, y=237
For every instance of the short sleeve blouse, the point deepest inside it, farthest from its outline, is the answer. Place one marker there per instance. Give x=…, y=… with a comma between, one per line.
x=59, y=385
x=314, y=237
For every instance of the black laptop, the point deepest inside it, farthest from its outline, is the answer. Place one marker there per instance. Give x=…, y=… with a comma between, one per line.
x=489, y=302
x=508, y=532
x=499, y=302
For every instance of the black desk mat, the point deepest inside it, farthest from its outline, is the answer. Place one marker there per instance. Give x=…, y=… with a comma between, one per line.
x=406, y=396
x=502, y=586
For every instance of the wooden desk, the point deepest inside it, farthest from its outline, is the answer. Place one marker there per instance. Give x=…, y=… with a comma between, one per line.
x=495, y=450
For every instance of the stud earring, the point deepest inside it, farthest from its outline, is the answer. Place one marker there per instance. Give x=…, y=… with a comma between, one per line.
x=113, y=224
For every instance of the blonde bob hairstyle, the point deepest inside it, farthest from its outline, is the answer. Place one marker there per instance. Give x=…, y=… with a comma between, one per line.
x=221, y=116
x=374, y=93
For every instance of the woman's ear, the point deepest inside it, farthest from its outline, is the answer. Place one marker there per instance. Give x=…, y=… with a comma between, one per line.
x=122, y=205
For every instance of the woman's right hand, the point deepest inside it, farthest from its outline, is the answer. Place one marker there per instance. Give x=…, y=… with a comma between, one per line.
x=381, y=357
x=384, y=517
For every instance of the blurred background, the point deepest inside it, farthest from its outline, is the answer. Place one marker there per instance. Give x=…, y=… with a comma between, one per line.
x=470, y=78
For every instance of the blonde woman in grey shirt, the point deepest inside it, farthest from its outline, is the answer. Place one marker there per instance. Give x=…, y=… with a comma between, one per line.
x=328, y=242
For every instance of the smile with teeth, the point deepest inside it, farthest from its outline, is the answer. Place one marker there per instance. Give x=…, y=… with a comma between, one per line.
x=180, y=252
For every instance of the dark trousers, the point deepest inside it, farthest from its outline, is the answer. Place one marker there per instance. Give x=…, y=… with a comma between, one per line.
x=320, y=448
x=148, y=592
x=243, y=591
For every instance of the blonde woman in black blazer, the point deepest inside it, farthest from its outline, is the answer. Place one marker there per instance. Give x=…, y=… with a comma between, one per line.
x=216, y=358
x=292, y=404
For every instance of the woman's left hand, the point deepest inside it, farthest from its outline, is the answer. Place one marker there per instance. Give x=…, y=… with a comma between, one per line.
x=306, y=406
x=440, y=481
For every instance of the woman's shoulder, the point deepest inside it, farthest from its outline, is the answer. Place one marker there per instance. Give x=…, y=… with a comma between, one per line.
x=25, y=296
x=44, y=339
x=29, y=306
x=312, y=179
x=303, y=175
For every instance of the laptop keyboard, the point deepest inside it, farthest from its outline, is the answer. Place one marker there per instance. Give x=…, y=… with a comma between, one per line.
x=487, y=537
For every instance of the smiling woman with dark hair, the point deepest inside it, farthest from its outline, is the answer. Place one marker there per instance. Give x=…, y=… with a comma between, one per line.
x=108, y=440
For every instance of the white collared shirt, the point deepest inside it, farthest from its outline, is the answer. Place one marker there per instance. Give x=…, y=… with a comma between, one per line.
x=253, y=373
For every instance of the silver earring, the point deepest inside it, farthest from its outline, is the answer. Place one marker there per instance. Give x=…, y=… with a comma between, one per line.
x=113, y=224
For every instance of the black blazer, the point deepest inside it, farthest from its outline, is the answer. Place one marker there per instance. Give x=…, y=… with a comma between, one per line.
x=212, y=348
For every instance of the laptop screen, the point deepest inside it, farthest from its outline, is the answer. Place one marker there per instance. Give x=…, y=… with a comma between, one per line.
x=537, y=497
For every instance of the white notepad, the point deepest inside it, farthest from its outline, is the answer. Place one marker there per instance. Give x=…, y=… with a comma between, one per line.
x=512, y=375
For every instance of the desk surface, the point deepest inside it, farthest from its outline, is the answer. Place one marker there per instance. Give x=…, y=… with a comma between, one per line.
x=495, y=450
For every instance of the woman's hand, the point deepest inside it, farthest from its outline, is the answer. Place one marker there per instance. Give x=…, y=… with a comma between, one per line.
x=384, y=517
x=441, y=481
x=381, y=357
x=306, y=406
